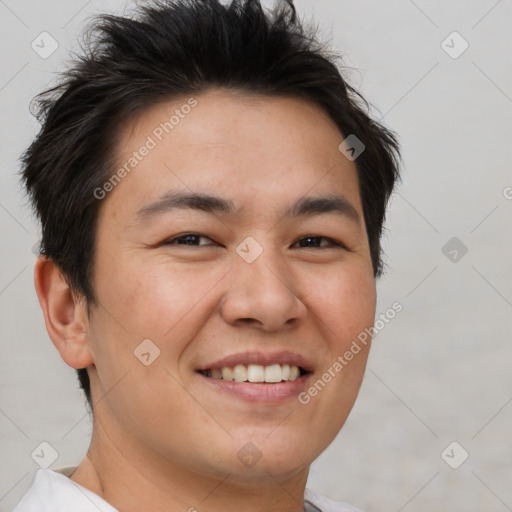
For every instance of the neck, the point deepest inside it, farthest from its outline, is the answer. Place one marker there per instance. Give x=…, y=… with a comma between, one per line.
x=132, y=480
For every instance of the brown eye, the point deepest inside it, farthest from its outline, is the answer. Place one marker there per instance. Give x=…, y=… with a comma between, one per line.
x=191, y=239
x=316, y=241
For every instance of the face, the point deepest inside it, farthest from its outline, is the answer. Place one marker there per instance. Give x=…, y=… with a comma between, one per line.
x=237, y=239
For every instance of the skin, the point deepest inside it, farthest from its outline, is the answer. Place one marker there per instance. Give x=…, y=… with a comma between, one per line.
x=160, y=435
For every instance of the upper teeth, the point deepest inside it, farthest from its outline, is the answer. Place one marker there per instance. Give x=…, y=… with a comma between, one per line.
x=256, y=373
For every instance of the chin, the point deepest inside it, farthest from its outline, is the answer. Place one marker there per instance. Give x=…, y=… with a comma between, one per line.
x=280, y=454
x=269, y=467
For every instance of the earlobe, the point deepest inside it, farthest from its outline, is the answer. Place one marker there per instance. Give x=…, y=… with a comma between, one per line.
x=65, y=316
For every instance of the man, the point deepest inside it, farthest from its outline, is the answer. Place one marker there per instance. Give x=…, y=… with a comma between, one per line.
x=212, y=196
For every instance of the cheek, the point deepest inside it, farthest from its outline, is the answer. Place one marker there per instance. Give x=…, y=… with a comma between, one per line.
x=344, y=301
x=345, y=306
x=141, y=301
x=160, y=300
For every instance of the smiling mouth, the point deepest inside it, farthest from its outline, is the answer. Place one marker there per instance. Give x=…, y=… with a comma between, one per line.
x=271, y=374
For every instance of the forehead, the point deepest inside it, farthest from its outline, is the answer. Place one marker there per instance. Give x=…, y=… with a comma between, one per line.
x=253, y=150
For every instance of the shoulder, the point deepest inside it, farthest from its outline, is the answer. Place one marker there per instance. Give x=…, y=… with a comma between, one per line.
x=53, y=491
x=325, y=504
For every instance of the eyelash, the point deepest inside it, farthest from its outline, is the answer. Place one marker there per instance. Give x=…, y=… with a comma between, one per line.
x=333, y=242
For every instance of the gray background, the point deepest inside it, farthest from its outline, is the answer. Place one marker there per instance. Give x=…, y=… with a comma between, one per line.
x=441, y=370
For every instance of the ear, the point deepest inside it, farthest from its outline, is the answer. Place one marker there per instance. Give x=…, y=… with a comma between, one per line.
x=65, y=316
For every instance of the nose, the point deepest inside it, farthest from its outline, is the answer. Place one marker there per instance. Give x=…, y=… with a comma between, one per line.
x=262, y=294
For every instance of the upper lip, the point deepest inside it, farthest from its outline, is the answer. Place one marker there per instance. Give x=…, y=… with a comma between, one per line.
x=261, y=358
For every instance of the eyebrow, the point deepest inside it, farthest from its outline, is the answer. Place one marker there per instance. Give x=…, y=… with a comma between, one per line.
x=218, y=205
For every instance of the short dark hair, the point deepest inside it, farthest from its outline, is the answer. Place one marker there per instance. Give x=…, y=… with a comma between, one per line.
x=170, y=49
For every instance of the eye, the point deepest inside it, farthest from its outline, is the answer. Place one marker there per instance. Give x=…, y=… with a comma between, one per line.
x=315, y=241
x=310, y=241
x=187, y=239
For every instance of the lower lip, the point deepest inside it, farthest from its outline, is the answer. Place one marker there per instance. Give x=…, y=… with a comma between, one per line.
x=259, y=392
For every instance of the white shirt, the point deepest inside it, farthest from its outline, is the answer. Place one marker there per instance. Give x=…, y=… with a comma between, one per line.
x=53, y=491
